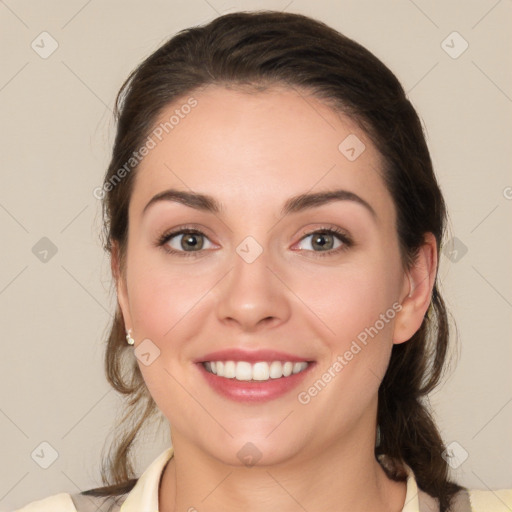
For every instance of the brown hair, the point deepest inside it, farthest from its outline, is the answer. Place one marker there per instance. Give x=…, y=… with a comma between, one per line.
x=257, y=50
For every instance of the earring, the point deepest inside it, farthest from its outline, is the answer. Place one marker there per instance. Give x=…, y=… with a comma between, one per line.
x=129, y=338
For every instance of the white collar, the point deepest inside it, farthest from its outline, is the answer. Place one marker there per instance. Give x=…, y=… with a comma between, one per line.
x=144, y=496
x=412, y=503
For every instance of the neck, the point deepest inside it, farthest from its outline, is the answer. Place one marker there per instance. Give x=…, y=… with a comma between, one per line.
x=341, y=478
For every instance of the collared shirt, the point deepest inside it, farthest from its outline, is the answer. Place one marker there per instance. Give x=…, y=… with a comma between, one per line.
x=144, y=496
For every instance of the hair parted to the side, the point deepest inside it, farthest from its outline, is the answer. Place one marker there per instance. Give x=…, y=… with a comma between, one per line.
x=255, y=51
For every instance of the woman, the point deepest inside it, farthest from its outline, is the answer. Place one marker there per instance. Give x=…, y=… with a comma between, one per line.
x=274, y=225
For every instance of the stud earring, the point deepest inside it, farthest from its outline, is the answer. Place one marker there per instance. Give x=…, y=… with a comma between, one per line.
x=129, y=338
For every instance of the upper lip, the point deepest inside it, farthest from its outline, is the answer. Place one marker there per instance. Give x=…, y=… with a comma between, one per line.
x=251, y=356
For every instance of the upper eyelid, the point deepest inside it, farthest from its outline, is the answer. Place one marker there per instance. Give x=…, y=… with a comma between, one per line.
x=344, y=237
x=183, y=231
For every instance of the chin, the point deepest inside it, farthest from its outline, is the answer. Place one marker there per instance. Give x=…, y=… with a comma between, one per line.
x=252, y=451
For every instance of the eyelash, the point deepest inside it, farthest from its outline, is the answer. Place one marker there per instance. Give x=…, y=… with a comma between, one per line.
x=328, y=230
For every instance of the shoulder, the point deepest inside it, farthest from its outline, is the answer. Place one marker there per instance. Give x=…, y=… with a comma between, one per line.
x=74, y=503
x=57, y=503
x=468, y=500
x=491, y=501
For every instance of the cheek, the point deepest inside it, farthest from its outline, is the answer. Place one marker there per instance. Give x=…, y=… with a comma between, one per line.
x=163, y=295
x=168, y=304
x=348, y=299
x=165, y=303
x=357, y=307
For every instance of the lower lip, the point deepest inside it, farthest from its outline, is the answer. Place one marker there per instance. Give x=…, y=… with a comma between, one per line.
x=254, y=391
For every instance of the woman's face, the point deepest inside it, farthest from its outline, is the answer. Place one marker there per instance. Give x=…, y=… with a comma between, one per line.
x=261, y=274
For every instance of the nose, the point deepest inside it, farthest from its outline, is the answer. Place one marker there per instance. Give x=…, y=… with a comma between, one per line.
x=253, y=295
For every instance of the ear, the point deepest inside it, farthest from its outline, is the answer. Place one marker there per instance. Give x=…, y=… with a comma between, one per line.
x=417, y=291
x=122, y=294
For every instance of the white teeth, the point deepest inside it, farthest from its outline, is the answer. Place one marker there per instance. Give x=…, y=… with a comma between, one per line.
x=276, y=370
x=243, y=370
x=229, y=369
x=297, y=367
x=287, y=369
x=260, y=371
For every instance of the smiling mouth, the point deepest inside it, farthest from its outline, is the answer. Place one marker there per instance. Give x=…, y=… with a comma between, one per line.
x=260, y=371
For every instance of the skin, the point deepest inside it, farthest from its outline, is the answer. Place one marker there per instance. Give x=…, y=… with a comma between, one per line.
x=252, y=152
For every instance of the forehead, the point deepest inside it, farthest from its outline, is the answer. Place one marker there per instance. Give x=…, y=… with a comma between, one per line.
x=254, y=149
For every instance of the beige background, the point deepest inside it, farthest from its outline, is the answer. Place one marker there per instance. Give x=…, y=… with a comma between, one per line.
x=56, y=131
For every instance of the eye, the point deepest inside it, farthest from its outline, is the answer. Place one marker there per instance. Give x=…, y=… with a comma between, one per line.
x=186, y=241
x=330, y=241
x=183, y=241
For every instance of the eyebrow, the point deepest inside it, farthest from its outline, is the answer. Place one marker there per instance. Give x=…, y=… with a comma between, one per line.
x=294, y=204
